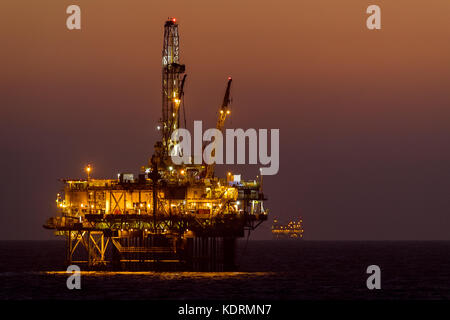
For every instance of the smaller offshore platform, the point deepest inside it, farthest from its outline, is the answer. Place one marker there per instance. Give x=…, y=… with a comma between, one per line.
x=291, y=230
x=169, y=217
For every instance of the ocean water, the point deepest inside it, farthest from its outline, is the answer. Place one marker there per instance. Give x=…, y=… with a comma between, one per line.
x=269, y=270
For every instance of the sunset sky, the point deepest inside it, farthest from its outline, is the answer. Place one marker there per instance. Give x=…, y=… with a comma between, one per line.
x=364, y=116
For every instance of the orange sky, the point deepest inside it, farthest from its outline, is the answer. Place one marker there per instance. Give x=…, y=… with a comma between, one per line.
x=363, y=115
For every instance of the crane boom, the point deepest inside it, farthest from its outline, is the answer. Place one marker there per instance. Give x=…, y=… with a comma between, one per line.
x=225, y=108
x=224, y=111
x=181, y=101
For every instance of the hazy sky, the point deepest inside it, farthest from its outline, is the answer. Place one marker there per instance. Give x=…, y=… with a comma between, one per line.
x=364, y=116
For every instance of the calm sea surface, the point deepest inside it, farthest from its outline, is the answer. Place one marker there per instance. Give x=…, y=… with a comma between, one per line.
x=287, y=270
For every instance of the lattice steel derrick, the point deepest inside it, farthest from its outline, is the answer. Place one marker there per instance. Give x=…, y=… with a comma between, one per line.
x=172, y=72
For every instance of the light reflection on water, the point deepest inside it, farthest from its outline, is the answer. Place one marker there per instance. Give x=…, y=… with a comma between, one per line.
x=311, y=270
x=169, y=275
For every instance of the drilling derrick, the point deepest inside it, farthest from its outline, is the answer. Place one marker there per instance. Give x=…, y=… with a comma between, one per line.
x=170, y=217
x=172, y=79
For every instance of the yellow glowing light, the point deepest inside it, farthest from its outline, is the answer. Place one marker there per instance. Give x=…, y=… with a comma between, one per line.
x=182, y=171
x=228, y=112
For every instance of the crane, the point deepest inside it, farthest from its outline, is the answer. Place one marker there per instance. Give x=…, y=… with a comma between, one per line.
x=224, y=111
x=181, y=98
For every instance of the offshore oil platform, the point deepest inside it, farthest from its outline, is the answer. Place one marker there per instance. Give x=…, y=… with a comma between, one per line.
x=291, y=230
x=169, y=217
